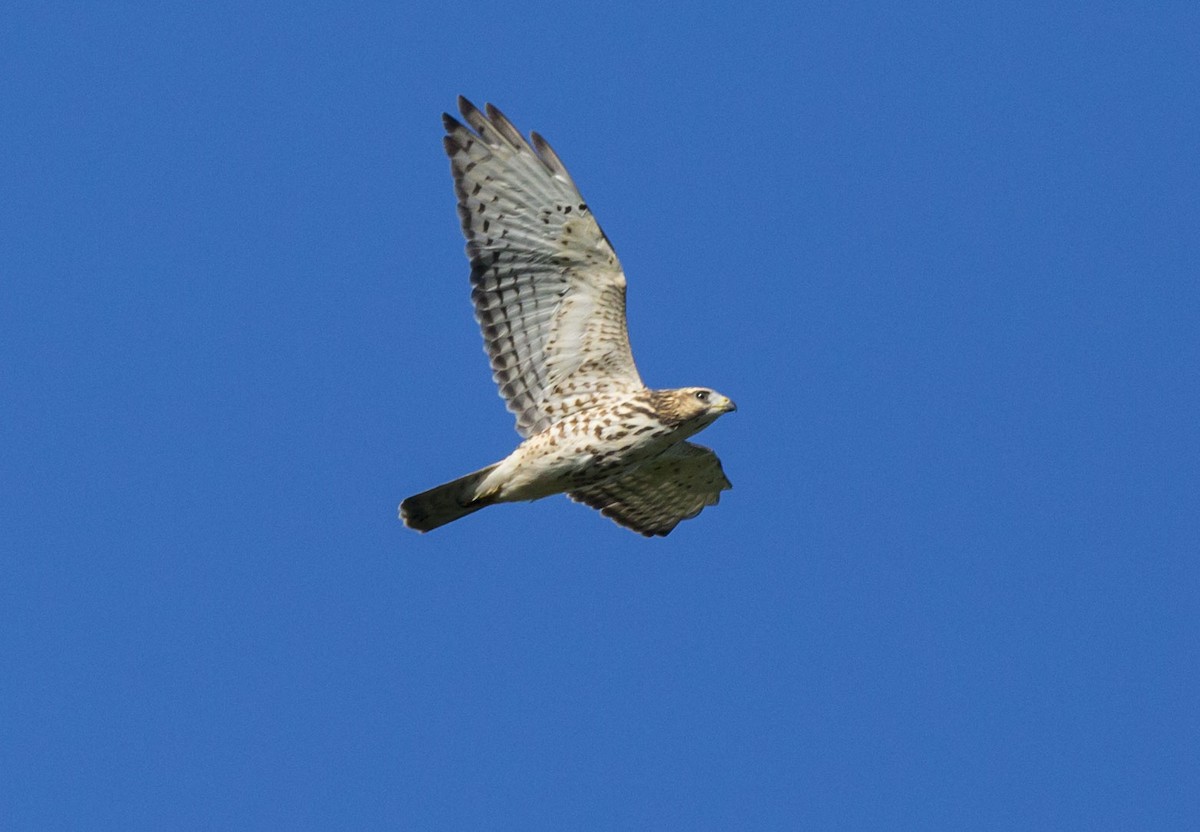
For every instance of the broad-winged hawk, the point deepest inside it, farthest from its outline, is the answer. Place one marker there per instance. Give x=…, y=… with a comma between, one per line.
x=549, y=296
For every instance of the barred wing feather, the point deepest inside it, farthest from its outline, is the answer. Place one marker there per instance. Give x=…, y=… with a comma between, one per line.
x=656, y=497
x=548, y=291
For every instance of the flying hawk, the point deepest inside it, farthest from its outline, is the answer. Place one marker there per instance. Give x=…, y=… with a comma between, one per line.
x=549, y=296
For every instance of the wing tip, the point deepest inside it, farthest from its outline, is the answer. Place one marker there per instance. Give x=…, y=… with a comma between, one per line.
x=492, y=122
x=548, y=157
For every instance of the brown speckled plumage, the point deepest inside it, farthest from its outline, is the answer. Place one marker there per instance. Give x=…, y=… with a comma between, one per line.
x=549, y=295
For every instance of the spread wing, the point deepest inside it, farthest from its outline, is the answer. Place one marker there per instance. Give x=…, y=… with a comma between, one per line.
x=548, y=290
x=654, y=498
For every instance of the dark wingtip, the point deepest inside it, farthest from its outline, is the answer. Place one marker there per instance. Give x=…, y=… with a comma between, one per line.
x=549, y=157
x=466, y=107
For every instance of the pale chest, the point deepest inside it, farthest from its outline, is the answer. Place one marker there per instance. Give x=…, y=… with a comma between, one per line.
x=584, y=449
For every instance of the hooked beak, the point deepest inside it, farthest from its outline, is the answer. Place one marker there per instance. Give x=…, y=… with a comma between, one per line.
x=729, y=405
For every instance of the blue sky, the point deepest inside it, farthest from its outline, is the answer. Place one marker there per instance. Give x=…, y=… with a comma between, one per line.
x=944, y=257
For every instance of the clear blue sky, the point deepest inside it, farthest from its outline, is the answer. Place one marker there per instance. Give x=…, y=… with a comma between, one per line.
x=943, y=256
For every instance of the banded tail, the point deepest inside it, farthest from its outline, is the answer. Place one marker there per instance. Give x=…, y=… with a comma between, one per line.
x=446, y=503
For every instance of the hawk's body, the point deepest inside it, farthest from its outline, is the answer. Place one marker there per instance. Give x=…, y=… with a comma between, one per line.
x=549, y=295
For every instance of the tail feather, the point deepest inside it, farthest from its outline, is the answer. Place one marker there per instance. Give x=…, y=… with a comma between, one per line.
x=446, y=503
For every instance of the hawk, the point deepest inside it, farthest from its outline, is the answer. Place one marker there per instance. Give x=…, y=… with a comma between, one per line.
x=549, y=295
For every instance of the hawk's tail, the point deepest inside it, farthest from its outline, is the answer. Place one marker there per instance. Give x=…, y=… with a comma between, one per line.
x=446, y=503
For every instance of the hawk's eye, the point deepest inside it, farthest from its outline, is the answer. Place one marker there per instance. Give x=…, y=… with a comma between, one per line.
x=702, y=395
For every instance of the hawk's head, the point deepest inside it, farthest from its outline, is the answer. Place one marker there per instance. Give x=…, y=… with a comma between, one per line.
x=691, y=408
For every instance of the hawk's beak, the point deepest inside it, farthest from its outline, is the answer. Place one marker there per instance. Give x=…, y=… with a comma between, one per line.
x=730, y=406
